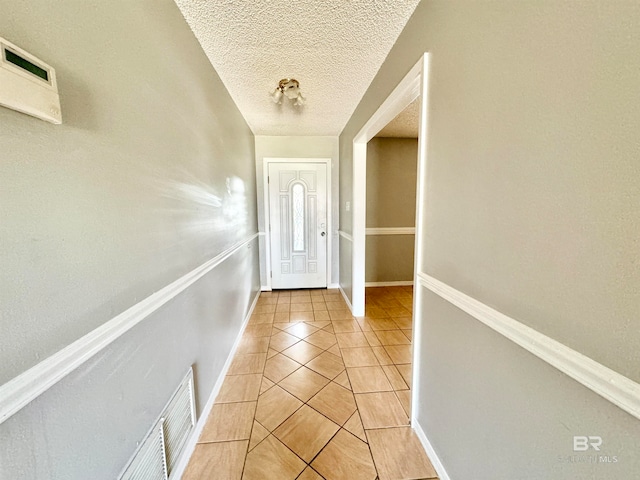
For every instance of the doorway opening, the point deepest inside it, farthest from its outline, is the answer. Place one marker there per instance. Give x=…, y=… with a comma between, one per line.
x=413, y=88
x=392, y=168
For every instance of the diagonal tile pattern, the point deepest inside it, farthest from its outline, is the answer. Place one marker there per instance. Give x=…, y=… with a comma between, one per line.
x=304, y=383
x=314, y=393
x=335, y=402
x=306, y=432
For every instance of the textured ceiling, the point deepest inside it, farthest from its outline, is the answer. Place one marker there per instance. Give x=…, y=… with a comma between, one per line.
x=406, y=124
x=333, y=47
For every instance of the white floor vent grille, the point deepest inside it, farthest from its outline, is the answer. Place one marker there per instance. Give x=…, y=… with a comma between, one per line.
x=157, y=455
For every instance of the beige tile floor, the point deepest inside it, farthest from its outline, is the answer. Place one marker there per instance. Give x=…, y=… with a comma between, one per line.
x=315, y=393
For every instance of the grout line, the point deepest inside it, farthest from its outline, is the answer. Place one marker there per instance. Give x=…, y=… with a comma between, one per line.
x=249, y=451
x=326, y=444
x=371, y=453
x=246, y=453
x=340, y=427
x=287, y=447
x=276, y=331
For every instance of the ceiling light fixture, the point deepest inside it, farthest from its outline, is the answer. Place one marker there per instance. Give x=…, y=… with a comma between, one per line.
x=290, y=88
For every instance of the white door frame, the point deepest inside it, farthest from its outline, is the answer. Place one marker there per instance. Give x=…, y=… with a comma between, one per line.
x=413, y=85
x=265, y=189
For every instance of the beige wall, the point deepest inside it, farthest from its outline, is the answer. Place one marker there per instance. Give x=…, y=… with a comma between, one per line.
x=532, y=204
x=389, y=258
x=391, y=202
x=392, y=166
x=150, y=175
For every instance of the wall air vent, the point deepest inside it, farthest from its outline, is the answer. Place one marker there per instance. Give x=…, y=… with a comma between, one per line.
x=179, y=420
x=27, y=84
x=149, y=461
x=160, y=450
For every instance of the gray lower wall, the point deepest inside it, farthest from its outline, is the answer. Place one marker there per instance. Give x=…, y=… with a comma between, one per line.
x=494, y=411
x=531, y=207
x=151, y=174
x=89, y=423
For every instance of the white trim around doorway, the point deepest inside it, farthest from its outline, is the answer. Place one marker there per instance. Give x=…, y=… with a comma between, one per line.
x=406, y=92
x=265, y=188
x=413, y=85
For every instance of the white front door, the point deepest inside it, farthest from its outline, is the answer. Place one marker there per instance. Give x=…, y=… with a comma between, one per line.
x=298, y=224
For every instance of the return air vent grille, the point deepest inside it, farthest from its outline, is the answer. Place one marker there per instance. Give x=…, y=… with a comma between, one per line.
x=149, y=462
x=179, y=421
x=161, y=448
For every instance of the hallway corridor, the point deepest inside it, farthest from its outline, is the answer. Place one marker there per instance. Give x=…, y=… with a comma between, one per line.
x=315, y=393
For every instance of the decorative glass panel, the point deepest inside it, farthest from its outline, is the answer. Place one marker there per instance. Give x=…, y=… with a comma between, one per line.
x=284, y=227
x=297, y=196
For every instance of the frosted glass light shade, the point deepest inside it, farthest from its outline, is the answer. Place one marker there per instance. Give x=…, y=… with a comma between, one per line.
x=291, y=92
x=277, y=96
x=299, y=100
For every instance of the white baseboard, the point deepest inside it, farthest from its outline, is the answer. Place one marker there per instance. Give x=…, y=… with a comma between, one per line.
x=269, y=289
x=400, y=283
x=431, y=453
x=190, y=446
